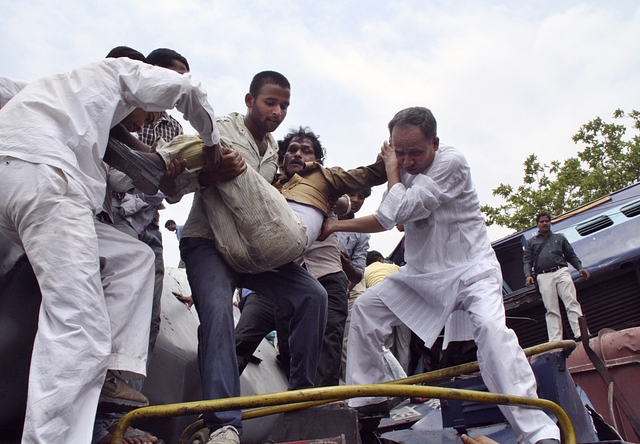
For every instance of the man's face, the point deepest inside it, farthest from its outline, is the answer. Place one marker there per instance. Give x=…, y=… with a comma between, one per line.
x=269, y=108
x=357, y=200
x=415, y=153
x=298, y=152
x=178, y=67
x=171, y=227
x=544, y=225
x=138, y=119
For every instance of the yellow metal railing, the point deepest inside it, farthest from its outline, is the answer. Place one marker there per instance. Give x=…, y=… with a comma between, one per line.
x=297, y=399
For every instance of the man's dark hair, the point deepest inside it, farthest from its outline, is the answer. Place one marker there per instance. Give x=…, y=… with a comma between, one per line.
x=170, y=222
x=164, y=57
x=125, y=51
x=540, y=215
x=373, y=256
x=366, y=192
x=302, y=133
x=416, y=116
x=267, y=78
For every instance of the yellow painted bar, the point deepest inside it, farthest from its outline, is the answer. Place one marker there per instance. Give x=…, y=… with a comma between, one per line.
x=296, y=399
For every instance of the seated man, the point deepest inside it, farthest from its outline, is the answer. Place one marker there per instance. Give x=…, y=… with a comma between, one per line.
x=53, y=135
x=259, y=227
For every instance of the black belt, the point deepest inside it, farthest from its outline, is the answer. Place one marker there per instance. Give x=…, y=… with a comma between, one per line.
x=551, y=270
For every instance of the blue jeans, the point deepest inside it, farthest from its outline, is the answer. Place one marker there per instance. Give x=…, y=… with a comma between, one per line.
x=291, y=288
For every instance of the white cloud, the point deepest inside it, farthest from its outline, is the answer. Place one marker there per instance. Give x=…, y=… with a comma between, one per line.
x=504, y=79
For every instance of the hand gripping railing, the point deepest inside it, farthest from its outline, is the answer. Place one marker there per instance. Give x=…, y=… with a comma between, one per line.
x=297, y=399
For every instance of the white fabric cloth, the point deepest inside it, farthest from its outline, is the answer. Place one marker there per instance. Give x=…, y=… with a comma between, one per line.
x=64, y=120
x=8, y=88
x=312, y=219
x=97, y=289
x=256, y=229
x=96, y=283
x=450, y=265
x=552, y=285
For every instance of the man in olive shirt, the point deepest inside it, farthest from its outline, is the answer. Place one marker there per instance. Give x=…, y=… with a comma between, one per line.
x=546, y=255
x=213, y=281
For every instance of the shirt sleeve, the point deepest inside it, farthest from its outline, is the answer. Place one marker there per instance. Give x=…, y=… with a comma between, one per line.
x=570, y=255
x=8, y=88
x=423, y=193
x=527, y=258
x=359, y=254
x=157, y=89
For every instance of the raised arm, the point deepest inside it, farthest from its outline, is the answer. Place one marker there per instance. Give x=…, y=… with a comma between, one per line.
x=366, y=224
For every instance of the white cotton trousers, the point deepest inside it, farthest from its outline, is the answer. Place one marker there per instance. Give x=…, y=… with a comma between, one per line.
x=503, y=365
x=552, y=285
x=97, y=291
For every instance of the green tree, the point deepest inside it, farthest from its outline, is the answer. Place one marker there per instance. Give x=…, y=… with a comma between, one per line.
x=606, y=164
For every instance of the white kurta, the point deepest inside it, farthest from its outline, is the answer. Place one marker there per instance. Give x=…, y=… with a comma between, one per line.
x=8, y=88
x=446, y=241
x=450, y=266
x=96, y=283
x=64, y=120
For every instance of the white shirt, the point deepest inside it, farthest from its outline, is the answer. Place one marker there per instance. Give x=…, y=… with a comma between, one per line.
x=446, y=241
x=64, y=120
x=8, y=88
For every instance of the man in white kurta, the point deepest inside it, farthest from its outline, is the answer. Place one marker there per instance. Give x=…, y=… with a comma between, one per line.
x=96, y=303
x=449, y=266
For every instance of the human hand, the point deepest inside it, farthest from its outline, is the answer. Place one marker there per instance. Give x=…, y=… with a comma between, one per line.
x=584, y=273
x=342, y=205
x=184, y=299
x=391, y=166
x=167, y=184
x=175, y=168
x=212, y=155
x=529, y=281
x=345, y=259
x=230, y=165
x=388, y=154
x=327, y=229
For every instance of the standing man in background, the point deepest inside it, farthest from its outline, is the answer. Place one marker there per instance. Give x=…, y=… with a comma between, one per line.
x=546, y=256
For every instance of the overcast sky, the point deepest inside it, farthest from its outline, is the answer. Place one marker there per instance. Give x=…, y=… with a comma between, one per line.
x=503, y=79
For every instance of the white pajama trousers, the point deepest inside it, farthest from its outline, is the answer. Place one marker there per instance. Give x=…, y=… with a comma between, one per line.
x=503, y=365
x=97, y=291
x=552, y=285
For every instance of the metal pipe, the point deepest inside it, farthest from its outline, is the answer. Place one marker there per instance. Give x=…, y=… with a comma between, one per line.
x=298, y=399
x=341, y=392
x=416, y=379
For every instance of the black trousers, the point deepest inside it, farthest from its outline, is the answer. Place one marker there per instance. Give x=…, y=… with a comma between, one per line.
x=259, y=317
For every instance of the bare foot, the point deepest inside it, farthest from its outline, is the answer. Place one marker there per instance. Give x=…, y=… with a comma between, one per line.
x=131, y=436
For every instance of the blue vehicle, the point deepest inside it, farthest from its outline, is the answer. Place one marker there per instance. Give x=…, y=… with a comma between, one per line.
x=605, y=235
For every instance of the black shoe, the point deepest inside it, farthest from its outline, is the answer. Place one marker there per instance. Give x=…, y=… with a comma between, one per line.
x=548, y=441
x=145, y=175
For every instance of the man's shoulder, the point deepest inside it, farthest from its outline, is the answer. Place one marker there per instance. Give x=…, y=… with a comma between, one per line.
x=559, y=237
x=232, y=118
x=451, y=154
x=232, y=128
